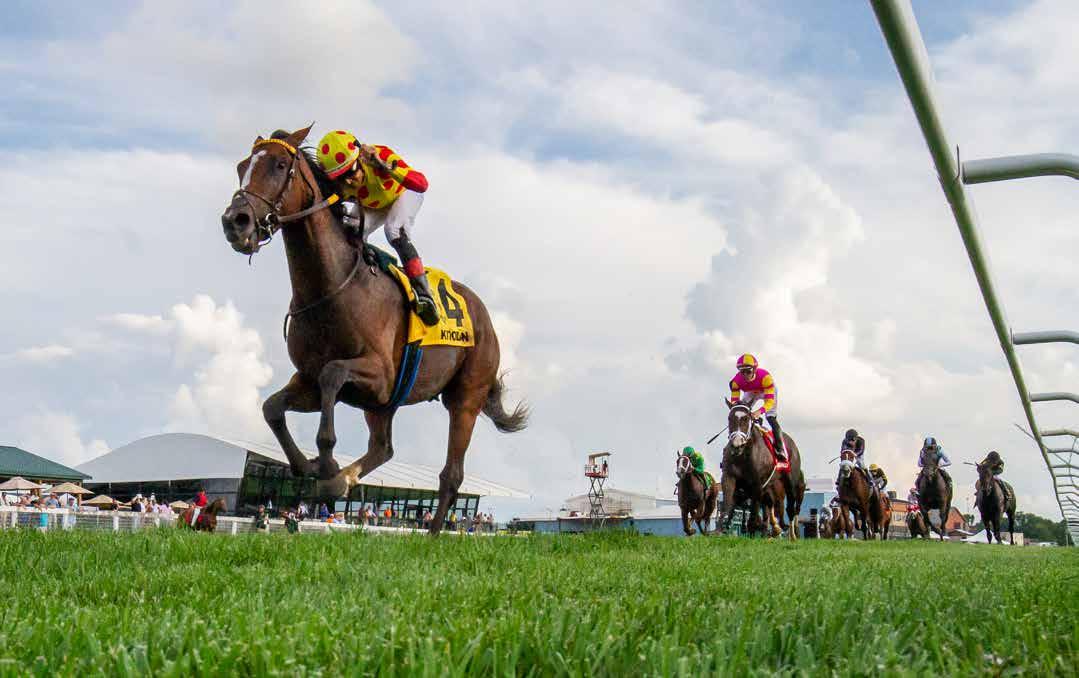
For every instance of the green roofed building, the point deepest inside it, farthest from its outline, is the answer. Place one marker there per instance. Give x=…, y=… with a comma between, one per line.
x=19, y=462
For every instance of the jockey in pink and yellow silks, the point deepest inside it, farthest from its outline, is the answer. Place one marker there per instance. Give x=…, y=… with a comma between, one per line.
x=753, y=383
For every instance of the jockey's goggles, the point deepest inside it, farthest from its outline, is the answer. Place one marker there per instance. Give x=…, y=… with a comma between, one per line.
x=747, y=370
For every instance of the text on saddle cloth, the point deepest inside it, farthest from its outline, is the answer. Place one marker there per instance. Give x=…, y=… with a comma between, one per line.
x=454, y=326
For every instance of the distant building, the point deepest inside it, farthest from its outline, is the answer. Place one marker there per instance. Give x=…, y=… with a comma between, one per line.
x=176, y=465
x=15, y=461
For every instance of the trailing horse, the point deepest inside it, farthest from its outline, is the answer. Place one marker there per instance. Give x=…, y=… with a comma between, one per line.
x=695, y=501
x=993, y=502
x=916, y=524
x=207, y=520
x=350, y=328
x=749, y=468
x=854, y=490
x=880, y=515
x=933, y=492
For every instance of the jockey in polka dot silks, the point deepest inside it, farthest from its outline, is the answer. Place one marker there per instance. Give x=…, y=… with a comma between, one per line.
x=378, y=188
x=752, y=383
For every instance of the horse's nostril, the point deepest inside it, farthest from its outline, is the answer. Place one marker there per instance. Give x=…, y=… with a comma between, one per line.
x=241, y=220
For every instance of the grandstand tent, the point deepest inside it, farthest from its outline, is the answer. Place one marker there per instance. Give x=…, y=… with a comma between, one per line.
x=174, y=466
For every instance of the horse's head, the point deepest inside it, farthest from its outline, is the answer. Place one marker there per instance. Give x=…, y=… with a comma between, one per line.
x=985, y=475
x=846, y=463
x=739, y=425
x=682, y=465
x=267, y=190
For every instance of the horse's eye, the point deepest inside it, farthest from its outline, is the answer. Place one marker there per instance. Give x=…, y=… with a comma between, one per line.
x=281, y=165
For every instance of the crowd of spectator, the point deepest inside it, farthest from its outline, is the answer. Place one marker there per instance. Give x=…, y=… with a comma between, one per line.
x=141, y=504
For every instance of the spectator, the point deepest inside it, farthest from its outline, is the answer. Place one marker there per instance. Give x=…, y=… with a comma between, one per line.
x=323, y=512
x=261, y=522
x=292, y=523
x=269, y=506
x=427, y=518
x=52, y=502
x=452, y=520
x=43, y=519
x=387, y=516
x=302, y=511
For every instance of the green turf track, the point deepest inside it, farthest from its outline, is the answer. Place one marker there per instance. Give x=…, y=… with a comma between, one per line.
x=168, y=603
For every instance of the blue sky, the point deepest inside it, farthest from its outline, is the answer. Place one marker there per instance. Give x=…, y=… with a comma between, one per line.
x=748, y=173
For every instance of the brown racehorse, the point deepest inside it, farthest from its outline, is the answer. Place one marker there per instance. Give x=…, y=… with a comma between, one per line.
x=207, y=520
x=843, y=523
x=880, y=515
x=348, y=327
x=933, y=492
x=748, y=469
x=695, y=501
x=916, y=525
x=993, y=503
x=854, y=490
x=825, y=528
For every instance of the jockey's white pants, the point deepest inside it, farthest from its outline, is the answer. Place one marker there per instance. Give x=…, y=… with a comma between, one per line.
x=195, y=516
x=398, y=219
x=751, y=400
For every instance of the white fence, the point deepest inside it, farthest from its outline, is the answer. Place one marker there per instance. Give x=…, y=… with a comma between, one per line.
x=128, y=521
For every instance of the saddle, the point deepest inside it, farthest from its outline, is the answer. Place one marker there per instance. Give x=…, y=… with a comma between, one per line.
x=706, y=478
x=770, y=443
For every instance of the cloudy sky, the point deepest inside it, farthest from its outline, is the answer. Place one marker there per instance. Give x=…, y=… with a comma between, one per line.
x=638, y=197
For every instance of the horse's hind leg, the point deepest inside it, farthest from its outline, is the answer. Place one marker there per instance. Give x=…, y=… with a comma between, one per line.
x=298, y=395
x=462, y=422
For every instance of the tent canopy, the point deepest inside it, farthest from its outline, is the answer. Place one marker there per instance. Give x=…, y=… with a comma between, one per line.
x=19, y=483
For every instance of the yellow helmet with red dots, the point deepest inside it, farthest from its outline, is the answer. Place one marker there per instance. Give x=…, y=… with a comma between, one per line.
x=337, y=152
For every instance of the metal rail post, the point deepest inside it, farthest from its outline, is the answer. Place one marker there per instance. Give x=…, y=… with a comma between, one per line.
x=901, y=32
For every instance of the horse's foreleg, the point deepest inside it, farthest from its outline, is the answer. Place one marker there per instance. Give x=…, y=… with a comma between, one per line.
x=462, y=421
x=686, y=527
x=298, y=395
x=379, y=451
x=370, y=375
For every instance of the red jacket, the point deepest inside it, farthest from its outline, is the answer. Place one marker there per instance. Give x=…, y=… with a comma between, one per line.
x=201, y=500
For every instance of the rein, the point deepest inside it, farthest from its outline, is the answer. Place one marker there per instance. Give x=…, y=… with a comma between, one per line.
x=340, y=288
x=269, y=224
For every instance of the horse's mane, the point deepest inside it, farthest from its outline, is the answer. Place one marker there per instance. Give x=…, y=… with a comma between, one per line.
x=326, y=185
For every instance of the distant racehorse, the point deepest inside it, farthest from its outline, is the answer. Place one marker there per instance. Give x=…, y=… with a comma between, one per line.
x=993, y=503
x=696, y=502
x=933, y=492
x=207, y=520
x=880, y=515
x=749, y=469
x=854, y=489
x=916, y=524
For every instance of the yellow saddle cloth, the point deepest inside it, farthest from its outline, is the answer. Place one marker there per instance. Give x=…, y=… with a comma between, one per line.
x=454, y=326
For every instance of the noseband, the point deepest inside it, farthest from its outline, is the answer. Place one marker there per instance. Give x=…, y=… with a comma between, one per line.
x=272, y=221
x=735, y=433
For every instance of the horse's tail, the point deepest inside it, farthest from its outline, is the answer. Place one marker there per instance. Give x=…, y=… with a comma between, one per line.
x=506, y=422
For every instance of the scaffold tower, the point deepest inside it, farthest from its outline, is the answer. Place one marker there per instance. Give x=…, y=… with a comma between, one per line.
x=597, y=470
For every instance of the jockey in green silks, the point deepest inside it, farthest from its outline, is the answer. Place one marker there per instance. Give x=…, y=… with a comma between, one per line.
x=697, y=459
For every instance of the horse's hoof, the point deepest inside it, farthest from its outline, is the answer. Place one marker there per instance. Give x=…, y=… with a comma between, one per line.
x=337, y=486
x=690, y=532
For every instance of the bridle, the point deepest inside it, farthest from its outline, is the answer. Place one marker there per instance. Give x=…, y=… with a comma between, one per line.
x=273, y=220
x=735, y=433
x=266, y=227
x=682, y=465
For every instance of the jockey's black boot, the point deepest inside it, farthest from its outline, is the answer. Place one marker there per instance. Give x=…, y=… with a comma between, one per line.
x=413, y=267
x=777, y=435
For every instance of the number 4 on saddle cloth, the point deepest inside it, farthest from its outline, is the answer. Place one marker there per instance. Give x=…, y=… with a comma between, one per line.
x=769, y=441
x=454, y=326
